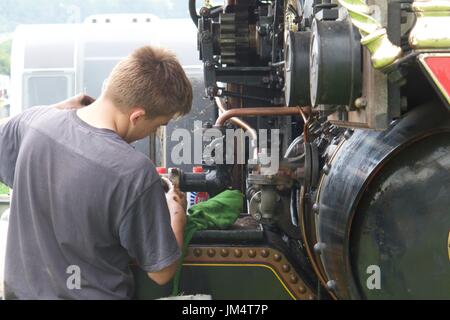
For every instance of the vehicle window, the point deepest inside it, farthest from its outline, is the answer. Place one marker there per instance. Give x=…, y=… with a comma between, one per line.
x=45, y=90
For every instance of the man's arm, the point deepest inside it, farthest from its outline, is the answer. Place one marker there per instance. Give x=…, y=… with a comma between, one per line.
x=79, y=101
x=152, y=231
x=177, y=206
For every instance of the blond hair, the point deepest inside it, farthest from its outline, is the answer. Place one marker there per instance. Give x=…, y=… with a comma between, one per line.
x=151, y=78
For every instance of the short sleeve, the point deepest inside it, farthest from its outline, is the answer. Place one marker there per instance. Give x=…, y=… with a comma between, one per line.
x=9, y=150
x=11, y=135
x=146, y=232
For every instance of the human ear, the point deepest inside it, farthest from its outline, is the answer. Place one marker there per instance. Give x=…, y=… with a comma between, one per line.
x=136, y=116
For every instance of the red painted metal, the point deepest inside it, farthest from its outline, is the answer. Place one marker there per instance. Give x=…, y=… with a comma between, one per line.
x=439, y=68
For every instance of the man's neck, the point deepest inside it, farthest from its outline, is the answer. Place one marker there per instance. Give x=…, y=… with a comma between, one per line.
x=102, y=114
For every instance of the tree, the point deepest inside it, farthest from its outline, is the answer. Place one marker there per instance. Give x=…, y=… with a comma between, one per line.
x=5, y=57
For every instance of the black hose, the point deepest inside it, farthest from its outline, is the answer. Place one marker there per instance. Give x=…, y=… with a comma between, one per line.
x=193, y=12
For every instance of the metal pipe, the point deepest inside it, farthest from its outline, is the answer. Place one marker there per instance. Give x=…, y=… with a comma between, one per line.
x=236, y=121
x=193, y=12
x=256, y=112
x=242, y=124
x=306, y=126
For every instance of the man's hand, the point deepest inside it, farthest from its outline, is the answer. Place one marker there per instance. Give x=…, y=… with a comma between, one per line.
x=176, y=201
x=173, y=194
x=77, y=102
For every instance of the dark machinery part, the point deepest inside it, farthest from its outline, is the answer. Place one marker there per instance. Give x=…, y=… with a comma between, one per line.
x=297, y=82
x=384, y=202
x=193, y=12
x=243, y=47
x=329, y=198
x=235, y=35
x=214, y=181
x=399, y=232
x=335, y=63
x=237, y=47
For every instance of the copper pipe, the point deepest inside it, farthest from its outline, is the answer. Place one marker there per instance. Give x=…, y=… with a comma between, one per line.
x=306, y=126
x=256, y=112
x=236, y=121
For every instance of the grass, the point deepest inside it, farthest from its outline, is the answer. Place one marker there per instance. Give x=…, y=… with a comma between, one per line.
x=4, y=190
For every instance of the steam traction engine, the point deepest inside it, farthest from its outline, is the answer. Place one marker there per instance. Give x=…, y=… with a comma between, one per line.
x=359, y=206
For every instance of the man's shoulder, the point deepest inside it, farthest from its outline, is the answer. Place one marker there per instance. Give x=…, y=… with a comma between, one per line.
x=135, y=161
x=28, y=115
x=138, y=168
x=34, y=113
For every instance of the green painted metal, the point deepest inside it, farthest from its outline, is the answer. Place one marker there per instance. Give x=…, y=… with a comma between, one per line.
x=233, y=282
x=375, y=38
x=405, y=238
x=428, y=32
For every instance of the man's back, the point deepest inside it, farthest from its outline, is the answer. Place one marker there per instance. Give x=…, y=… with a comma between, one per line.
x=84, y=203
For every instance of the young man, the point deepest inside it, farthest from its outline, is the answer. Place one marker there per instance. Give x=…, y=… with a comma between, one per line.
x=85, y=203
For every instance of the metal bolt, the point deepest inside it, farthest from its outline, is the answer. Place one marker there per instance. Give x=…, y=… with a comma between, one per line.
x=331, y=285
x=238, y=253
x=277, y=257
x=316, y=208
x=327, y=169
x=211, y=253
x=197, y=252
x=204, y=12
x=302, y=290
x=319, y=247
x=294, y=279
x=335, y=141
x=224, y=253
x=265, y=253
x=361, y=103
x=257, y=216
x=252, y=253
x=286, y=268
x=348, y=134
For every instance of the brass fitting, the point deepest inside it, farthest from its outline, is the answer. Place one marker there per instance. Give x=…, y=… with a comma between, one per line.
x=431, y=29
x=374, y=36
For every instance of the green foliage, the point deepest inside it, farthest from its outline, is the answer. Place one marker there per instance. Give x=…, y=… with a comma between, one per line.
x=4, y=190
x=5, y=59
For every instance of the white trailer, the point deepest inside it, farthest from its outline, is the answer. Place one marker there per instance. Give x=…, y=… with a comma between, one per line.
x=53, y=62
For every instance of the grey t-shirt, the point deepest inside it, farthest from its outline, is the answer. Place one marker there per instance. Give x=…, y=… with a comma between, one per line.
x=85, y=205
